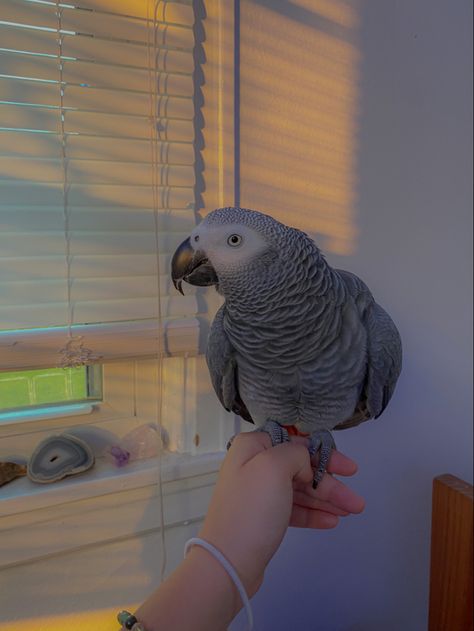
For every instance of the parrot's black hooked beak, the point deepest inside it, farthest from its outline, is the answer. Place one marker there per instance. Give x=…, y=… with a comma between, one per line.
x=192, y=266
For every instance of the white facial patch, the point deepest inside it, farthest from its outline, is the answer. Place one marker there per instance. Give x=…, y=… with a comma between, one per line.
x=229, y=245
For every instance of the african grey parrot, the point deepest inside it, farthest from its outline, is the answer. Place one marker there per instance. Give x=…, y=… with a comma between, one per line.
x=296, y=343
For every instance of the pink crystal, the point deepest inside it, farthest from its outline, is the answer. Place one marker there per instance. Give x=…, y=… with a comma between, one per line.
x=142, y=442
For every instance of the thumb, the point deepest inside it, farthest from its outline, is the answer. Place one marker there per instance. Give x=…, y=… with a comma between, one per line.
x=291, y=459
x=246, y=446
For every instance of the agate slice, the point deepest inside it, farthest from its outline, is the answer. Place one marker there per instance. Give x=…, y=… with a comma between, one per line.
x=10, y=470
x=59, y=456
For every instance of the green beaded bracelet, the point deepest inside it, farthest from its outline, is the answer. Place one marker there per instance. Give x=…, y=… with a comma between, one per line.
x=128, y=620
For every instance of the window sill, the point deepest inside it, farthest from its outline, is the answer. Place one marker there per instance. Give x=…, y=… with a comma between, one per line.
x=22, y=495
x=103, y=505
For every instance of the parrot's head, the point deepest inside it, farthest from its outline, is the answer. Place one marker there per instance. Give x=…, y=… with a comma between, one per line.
x=226, y=242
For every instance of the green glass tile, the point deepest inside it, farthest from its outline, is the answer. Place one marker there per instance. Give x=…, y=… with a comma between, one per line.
x=53, y=385
x=14, y=391
x=50, y=387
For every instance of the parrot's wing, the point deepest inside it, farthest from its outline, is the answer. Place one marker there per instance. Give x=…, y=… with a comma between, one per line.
x=384, y=353
x=223, y=368
x=384, y=359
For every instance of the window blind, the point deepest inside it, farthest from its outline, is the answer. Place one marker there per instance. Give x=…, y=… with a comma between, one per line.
x=96, y=129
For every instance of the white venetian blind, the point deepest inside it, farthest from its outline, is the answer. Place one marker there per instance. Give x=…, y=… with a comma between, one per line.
x=96, y=132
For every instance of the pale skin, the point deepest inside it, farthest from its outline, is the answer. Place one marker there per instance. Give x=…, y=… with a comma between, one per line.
x=261, y=490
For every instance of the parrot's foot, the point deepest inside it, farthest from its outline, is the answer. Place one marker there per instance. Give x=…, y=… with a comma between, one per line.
x=323, y=442
x=277, y=433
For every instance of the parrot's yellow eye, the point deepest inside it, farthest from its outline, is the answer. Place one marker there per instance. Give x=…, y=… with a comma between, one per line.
x=234, y=240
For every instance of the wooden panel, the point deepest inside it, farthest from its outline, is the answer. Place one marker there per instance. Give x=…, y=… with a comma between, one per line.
x=451, y=574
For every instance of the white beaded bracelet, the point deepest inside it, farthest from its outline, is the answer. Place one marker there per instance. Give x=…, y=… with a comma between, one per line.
x=217, y=554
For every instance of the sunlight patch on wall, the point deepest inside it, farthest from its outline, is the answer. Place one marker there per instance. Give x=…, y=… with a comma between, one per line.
x=298, y=116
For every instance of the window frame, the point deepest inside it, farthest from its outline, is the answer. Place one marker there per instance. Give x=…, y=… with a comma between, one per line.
x=188, y=466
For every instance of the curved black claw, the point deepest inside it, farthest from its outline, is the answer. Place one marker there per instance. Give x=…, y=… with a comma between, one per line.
x=323, y=442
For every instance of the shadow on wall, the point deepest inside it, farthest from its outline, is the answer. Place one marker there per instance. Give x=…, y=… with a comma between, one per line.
x=298, y=115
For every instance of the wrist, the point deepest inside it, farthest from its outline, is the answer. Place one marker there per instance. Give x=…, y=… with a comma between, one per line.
x=215, y=580
x=211, y=600
x=247, y=566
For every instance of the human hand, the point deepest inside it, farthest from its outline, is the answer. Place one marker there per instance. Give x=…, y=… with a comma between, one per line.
x=261, y=490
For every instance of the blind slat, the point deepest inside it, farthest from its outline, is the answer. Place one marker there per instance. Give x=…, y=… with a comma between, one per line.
x=178, y=12
x=51, y=266
x=83, y=45
x=78, y=97
x=25, y=243
x=94, y=48
x=32, y=145
x=97, y=219
x=93, y=172
x=55, y=313
x=30, y=13
x=105, y=195
x=94, y=22
x=121, y=173
x=98, y=75
x=125, y=286
x=101, y=124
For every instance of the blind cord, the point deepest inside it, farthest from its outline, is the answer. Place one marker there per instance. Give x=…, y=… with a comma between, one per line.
x=152, y=54
x=74, y=353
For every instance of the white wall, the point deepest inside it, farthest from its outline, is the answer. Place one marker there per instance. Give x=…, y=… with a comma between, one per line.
x=412, y=214
x=398, y=213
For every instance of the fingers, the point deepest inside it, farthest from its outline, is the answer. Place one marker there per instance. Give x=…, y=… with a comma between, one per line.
x=341, y=464
x=336, y=493
x=306, y=501
x=290, y=460
x=323, y=507
x=307, y=518
x=247, y=445
x=338, y=464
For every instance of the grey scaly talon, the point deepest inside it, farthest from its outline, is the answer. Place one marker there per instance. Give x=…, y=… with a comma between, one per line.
x=323, y=442
x=277, y=433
